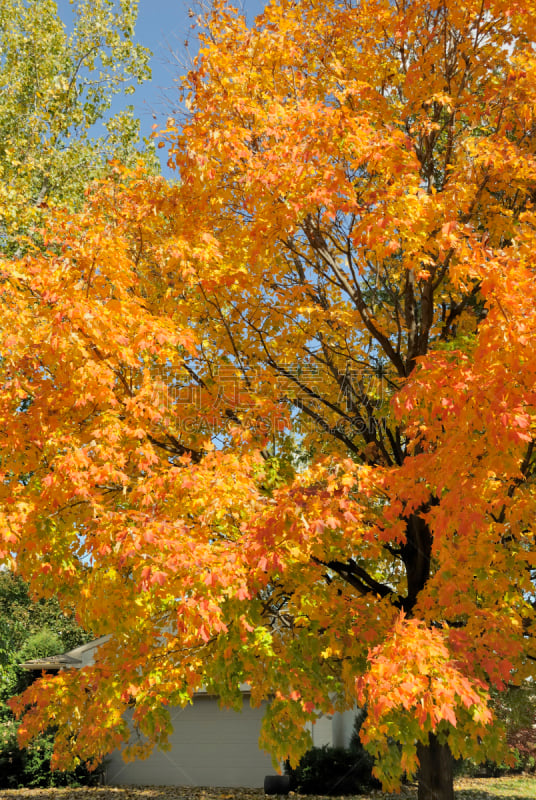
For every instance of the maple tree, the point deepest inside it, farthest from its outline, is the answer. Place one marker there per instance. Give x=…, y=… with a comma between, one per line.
x=275, y=424
x=57, y=85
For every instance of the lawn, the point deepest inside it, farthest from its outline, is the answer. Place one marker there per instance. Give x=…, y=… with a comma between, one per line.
x=514, y=788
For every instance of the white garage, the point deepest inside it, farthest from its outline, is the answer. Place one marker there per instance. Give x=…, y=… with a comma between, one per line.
x=210, y=746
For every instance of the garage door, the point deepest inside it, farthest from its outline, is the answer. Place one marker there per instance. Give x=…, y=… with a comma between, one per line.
x=210, y=746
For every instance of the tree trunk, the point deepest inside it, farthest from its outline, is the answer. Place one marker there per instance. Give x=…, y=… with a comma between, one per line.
x=435, y=772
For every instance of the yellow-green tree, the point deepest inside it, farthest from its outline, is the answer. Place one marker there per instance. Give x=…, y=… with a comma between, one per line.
x=56, y=86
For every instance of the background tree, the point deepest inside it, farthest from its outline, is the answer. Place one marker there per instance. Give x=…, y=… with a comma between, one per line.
x=348, y=260
x=33, y=628
x=28, y=629
x=57, y=87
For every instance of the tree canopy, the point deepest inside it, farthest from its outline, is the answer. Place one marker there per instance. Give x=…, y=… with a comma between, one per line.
x=278, y=419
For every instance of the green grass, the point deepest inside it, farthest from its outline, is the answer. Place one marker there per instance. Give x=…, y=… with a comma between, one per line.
x=512, y=788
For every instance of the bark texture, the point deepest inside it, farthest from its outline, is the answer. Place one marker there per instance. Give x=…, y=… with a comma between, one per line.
x=436, y=780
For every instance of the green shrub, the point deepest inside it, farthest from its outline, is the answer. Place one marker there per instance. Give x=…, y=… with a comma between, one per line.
x=332, y=771
x=30, y=767
x=11, y=766
x=335, y=770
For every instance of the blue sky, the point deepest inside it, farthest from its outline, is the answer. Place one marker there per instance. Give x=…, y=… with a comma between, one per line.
x=163, y=26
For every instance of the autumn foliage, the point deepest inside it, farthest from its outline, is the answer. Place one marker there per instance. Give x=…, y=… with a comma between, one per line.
x=275, y=423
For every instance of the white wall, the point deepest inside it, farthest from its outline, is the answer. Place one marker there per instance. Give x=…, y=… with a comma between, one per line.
x=343, y=726
x=322, y=731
